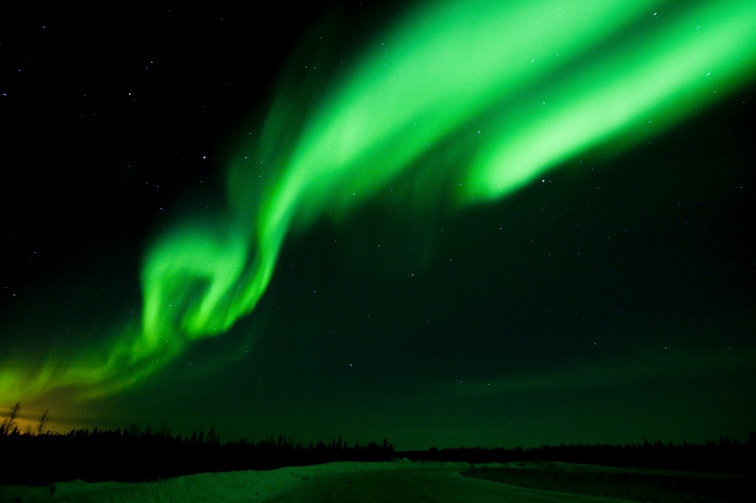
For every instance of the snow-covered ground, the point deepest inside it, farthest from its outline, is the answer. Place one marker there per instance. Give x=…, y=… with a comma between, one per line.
x=240, y=486
x=406, y=481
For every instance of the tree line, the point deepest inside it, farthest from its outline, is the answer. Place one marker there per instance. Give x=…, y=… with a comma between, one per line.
x=724, y=455
x=134, y=454
x=10, y=425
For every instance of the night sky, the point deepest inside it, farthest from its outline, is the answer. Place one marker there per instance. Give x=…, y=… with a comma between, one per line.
x=417, y=290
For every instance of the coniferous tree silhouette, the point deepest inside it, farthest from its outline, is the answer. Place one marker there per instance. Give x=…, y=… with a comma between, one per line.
x=9, y=424
x=43, y=422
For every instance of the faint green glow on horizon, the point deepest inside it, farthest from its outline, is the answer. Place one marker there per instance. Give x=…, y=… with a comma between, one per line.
x=510, y=89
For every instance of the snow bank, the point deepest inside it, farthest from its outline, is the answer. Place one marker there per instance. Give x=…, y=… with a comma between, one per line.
x=217, y=487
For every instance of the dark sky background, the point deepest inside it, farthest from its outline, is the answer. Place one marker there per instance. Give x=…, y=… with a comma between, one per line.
x=611, y=301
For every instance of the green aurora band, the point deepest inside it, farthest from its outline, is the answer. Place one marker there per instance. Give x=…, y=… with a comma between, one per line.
x=477, y=97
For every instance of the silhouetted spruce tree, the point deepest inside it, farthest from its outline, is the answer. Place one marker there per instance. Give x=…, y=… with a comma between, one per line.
x=43, y=422
x=212, y=436
x=9, y=424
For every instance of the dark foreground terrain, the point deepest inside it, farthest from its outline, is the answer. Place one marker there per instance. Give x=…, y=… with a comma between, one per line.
x=410, y=481
x=663, y=486
x=144, y=465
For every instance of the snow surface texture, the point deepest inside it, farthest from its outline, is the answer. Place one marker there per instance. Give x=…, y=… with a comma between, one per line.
x=531, y=482
x=249, y=486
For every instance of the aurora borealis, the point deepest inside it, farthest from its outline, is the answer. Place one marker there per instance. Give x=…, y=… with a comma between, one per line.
x=449, y=224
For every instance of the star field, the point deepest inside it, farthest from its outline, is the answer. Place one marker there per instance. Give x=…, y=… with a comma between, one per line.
x=386, y=280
